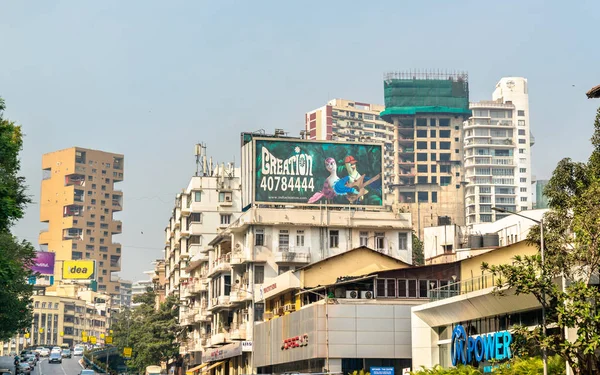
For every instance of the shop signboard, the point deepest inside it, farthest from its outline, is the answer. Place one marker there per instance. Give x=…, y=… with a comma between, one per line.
x=224, y=352
x=381, y=371
x=486, y=347
x=78, y=269
x=302, y=172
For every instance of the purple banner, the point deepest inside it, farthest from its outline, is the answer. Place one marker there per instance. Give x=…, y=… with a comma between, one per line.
x=44, y=263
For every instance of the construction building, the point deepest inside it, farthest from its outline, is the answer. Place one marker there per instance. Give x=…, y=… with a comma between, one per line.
x=77, y=202
x=427, y=111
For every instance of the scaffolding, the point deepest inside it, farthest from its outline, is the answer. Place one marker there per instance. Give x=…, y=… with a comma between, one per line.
x=413, y=92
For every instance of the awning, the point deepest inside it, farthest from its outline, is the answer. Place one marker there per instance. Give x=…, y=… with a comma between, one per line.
x=192, y=370
x=212, y=366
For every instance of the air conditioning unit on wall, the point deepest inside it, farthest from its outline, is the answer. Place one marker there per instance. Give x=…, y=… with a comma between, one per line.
x=352, y=294
x=366, y=294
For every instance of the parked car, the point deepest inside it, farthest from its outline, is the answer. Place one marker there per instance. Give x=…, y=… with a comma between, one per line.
x=78, y=351
x=66, y=353
x=23, y=368
x=55, y=357
x=87, y=372
x=5, y=371
x=44, y=352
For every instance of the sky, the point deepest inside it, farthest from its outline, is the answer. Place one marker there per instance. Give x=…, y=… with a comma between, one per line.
x=149, y=79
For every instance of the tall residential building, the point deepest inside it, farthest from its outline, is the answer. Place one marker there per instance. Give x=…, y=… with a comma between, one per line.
x=498, y=153
x=427, y=111
x=123, y=298
x=77, y=202
x=347, y=120
x=541, y=199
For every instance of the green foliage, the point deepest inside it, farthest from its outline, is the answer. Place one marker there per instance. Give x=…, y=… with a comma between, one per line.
x=517, y=366
x=439, y=370
x=569, y=289
x=361, y=372
x=15, y=257
x=417, y=248
x=150, y=332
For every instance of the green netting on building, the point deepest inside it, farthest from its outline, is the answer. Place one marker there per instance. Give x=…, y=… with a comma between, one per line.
x=412, y=96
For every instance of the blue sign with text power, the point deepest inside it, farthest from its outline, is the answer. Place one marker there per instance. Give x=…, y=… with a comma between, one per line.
x=467, y=349
x=382, y=370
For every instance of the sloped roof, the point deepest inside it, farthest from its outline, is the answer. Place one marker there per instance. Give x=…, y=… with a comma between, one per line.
x=594, y=92
x=349, y=251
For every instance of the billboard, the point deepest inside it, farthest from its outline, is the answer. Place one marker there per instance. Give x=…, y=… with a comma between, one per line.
x=78, y=269
x=43, y=263
x=296, y=171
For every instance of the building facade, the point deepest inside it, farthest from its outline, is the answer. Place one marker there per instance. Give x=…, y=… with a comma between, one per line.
x=426, y=111
x=78, y=200
x=123, y=299
x=497, y=144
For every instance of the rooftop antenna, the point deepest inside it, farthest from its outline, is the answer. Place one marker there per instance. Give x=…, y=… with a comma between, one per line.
x=200, y=153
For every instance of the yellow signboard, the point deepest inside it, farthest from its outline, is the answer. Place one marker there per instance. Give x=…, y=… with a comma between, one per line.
x=62, y=333
x=27, y=335
x=83, y=333
x=102, y=335
x=108, y=339
x=41, y=330
x=78, y=269
x=127, y=352
x=84, y=338
x=93, y=339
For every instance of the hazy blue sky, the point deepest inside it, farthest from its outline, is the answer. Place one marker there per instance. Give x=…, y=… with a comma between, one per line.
x=149, y=79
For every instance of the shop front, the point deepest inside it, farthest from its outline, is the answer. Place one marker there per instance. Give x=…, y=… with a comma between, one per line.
x=229, y=359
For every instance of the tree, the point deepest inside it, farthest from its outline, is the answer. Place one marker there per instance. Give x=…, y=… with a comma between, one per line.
x=16, y=257
x=150, y=332
x=417, y=248
x=567, y=283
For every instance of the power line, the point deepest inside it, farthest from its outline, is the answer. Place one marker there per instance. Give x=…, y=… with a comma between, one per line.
x=122, y=244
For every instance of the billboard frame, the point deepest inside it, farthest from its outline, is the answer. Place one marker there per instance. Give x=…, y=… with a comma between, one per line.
x=253, y=171
x=93, y=276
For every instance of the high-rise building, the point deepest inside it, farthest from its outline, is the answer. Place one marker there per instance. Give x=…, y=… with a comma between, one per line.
x=427, y=111
x=541, y=199
x=122, y=300
x=497, y=144
x=77, y=202
x=347, y=120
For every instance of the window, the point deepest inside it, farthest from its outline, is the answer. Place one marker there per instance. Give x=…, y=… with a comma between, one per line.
x=364, y=238
x=43, y=305
x=456, y=139
x=89, y=247
x=445, y=180
x=520, y=113
x=259, y=274
x=433, y=145
x=37, y=304
x=403, y=241
x=433, y=195
x=521, y=122
x=282, y=269
x=433, y=156
x=93, y=186
x=421, y=156
x=523, y=179
x=444, y=133
x=197, y=196
x=444, y=122
x=196, y=217
x=421, y=179
x=284, y=240
x=523, y=199
x=299, y=238
x=421, y=122
x=225, y=219
x=444, y=157
x=432, y=133
x=103, y=187
x=522, y=141
x=523, y=190
x=423, y=196
x=92, y=239
x=522, y=132
x=90, y=178
x=434, y=179
x=456, y=151
x=103, y=172
x=444, y=145
x=90, y=223
x=423, y=288
x=457, y=174
x=259, y=238
x=412, y=288
x=422, y=168
x=432, y=122
x=421, y=145
x=434, y=168
x=421, y=133
x=522, y=170
x=379, y=241
x=521, y=151
x=334, y=238
x=93, y=201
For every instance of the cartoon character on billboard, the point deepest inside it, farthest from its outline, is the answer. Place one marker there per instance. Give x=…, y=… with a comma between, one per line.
x=356, y=180
x=333, y=186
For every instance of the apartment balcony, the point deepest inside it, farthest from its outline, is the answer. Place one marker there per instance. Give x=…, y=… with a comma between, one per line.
x=116, y=227
x=75, y=179
x=219, y=302
x=186, y=210
x=240, y=295
x=221, y=264
x=289, y=255
x=185, y=232
x=202, y=317
x=241, y=256
x=198, y=287
x=238, y=332
x=503, y=142
x=195, y=249
x=220, y=338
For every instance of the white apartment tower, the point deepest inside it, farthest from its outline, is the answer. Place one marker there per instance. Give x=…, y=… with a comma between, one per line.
x=497, y=149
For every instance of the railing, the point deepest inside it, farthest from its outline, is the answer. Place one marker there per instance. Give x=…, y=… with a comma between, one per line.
x=290, y=256
x=484, y=281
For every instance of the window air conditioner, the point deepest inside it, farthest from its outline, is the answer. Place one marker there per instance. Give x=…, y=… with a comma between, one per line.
x=366, y=294
x=352, y=294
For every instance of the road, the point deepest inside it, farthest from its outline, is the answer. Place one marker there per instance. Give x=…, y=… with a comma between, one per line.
x=69, y=366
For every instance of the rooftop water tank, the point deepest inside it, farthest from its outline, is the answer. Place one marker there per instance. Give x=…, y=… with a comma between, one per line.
x=475, y=241
x=491, y=239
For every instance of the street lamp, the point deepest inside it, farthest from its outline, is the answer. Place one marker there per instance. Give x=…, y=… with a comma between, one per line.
x=541, y=223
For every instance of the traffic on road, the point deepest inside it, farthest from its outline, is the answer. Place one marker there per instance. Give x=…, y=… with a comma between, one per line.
x=44, y=361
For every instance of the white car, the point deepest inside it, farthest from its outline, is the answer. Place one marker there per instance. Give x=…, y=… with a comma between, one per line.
x=78, y=351
x=44, y=352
